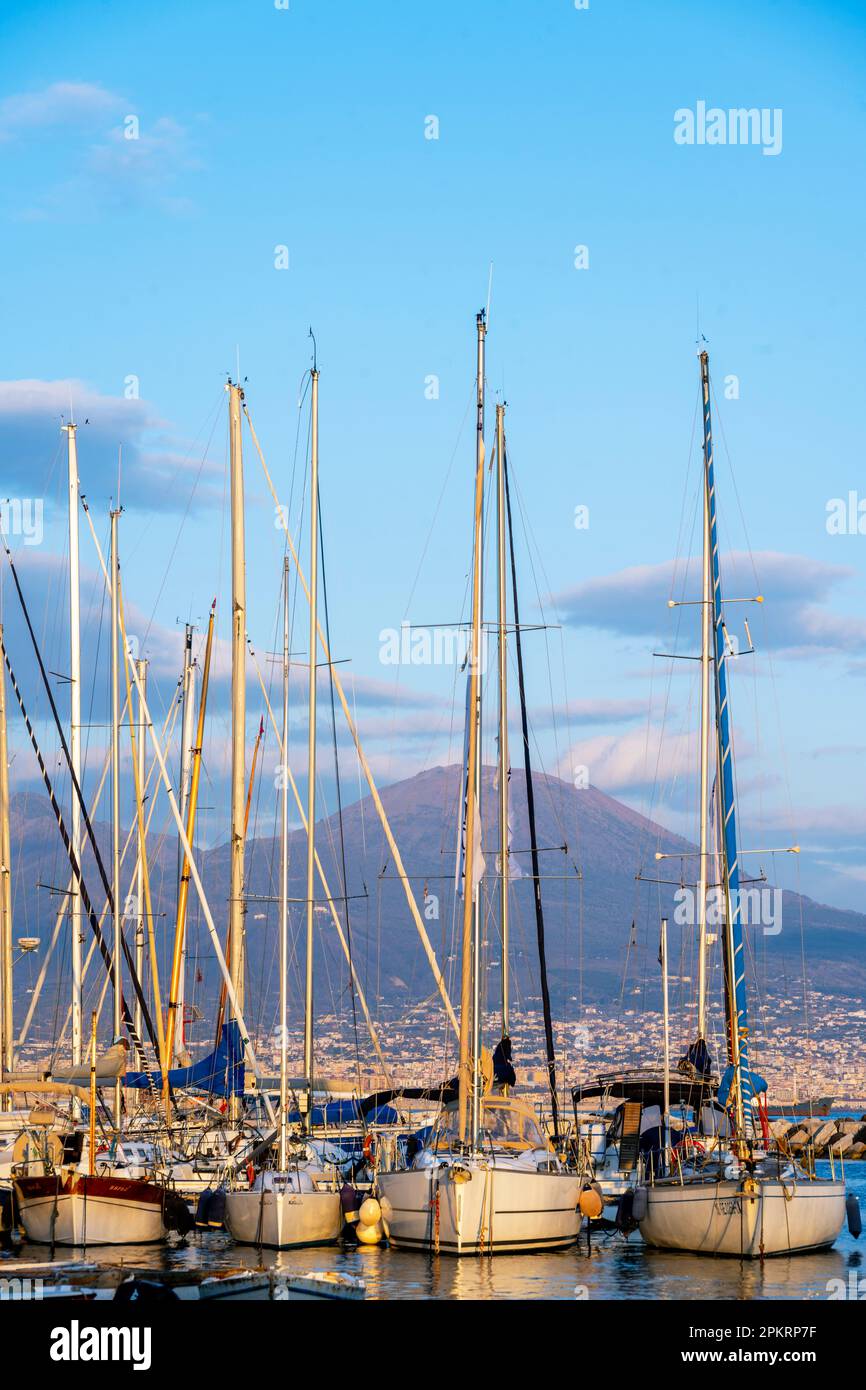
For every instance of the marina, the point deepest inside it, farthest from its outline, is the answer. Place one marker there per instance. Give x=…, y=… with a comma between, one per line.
x=432, y=834
x=616, y=1269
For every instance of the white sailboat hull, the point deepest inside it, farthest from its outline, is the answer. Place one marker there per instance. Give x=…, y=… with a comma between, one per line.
x=85, y=1210
x=500, y=1209
x=283, y=1220
x=720, y=1218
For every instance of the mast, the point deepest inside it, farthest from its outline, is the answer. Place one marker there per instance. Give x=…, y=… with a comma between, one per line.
x=311, y=742
x=7, y=1008
x=533, y=833
x=186, y=839
x=115, y=807
x=736, y=1002
x=393, y=847
x=75, y=732
x=469, y=1021
x=238, y=788
x=706, y=659
x=476, y=919
x=141, y=924
x=86, y=901
x=91, y=1147
x=187, y=736
x=504, y=767
x=667, y=1039
x=284, y=880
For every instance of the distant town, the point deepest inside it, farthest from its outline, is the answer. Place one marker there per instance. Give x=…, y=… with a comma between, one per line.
x=827, y=1058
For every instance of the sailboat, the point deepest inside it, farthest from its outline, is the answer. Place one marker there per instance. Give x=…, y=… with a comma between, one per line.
x=748, y=1198
x=487, y=1181
x=293, y=1204
x=61, y=1203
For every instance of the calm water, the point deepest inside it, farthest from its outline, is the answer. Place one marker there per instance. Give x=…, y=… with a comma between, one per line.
x=612, y=1269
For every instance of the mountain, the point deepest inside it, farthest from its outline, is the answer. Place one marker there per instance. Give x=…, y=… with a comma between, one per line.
x=598, y=917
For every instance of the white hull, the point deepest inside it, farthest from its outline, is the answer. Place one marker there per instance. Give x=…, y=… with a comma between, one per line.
x=283, y=1220
x=720, y=1218
x=501, y=1208
x=86, y=1216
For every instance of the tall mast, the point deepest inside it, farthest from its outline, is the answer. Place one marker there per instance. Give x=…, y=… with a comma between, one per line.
x=533, y=832
x=7, y=1011
x=141, y=925
x=75, y=733
x=706, y=662
x=115, y=807
x=187, y=838
x=284, y=879
x=187, y=737
x=503, y=714
x=469, y=1021
x=239, y=710
x=736, y=1003
x=311, y=742
x=667, y=1040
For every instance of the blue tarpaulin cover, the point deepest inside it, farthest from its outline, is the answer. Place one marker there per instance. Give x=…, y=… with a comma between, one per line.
x=221, y=1072
x=345, y=1112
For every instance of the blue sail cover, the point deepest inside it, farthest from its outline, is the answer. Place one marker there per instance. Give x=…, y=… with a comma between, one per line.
x=758, y=1083
x=221, y=1073
x=345, y=1112
x=738, y=1040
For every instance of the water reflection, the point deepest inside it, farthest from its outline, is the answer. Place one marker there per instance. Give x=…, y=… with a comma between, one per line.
x=612, y=1268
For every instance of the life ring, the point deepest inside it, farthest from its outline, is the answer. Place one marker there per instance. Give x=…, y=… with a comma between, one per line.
x=251, y=1174
x=370, y=1147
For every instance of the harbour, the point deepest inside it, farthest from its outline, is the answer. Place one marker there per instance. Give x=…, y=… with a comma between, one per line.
x=615, y=1269
x=431, y=818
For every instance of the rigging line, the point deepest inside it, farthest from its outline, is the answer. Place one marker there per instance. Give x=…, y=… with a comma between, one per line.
x=721, y=425
x=183, y=520
x=321, y=873
x=410, y=899
x=34, y=1000
x=438, y=506
x=361, y=797
x=530, y=806
x=649, y=799
x=652, y=801
x=85, y=815
x=774, y=687
x=73, y=860
x=345, y=877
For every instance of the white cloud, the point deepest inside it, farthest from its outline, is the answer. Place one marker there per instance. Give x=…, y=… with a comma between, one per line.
x=59, y=104
x=123, y=171
x=634, y=602
x=156, y=476
x=619, y=762
x=137, y=159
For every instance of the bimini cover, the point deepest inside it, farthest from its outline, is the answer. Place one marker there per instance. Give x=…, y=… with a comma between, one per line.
x=758, y=1084
x=221, y=1073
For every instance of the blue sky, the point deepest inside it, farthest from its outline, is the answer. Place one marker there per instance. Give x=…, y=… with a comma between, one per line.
x=260, y=127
